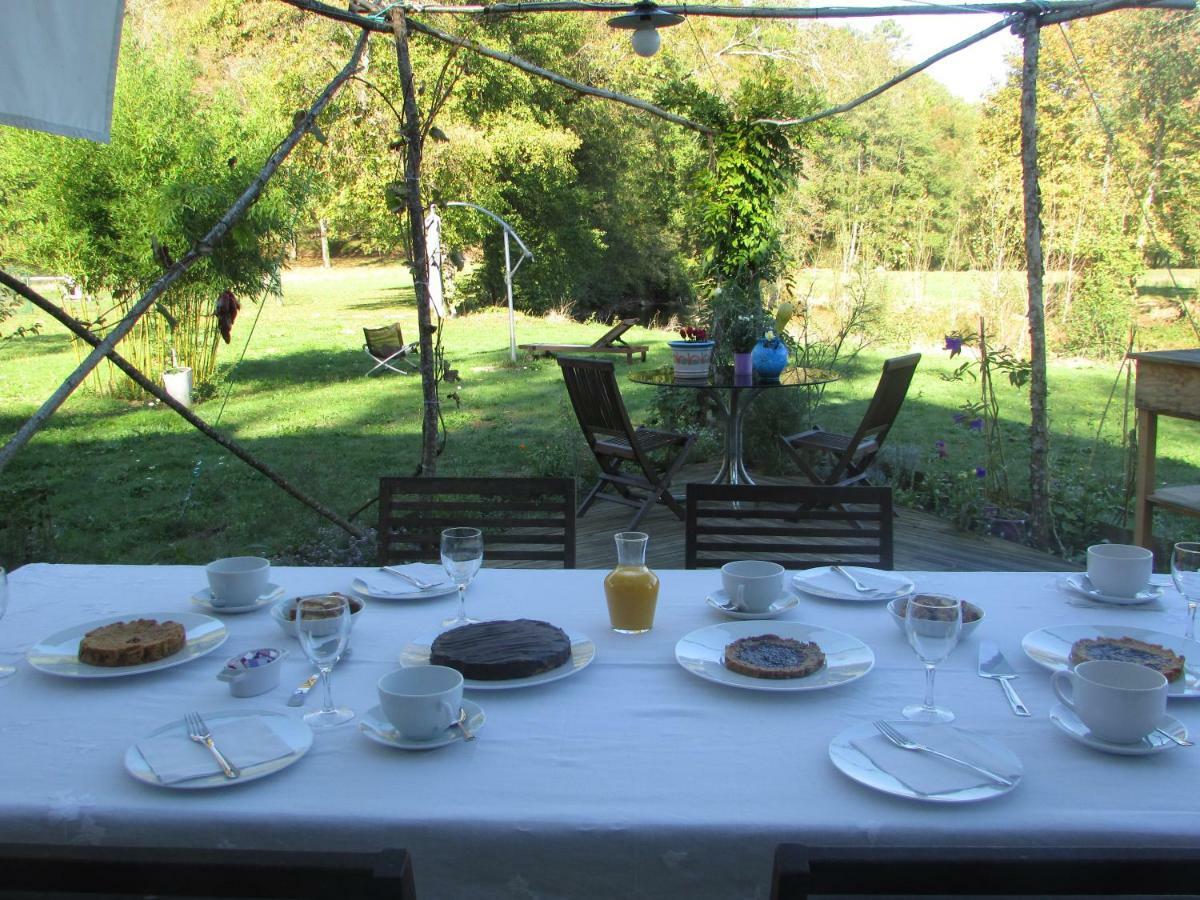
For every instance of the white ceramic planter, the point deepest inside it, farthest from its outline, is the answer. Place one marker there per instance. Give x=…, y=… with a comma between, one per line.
x=692, y=358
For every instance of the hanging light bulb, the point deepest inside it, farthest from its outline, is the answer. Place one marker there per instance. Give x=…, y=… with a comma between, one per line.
x=645, y=20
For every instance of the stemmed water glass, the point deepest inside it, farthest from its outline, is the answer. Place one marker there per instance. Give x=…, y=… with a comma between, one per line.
x=462, y=555
x=5, y=671
x=1185, y=572
x=932, y=623
x=323, y=627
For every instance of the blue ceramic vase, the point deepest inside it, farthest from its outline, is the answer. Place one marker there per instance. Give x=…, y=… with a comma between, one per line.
x=769, y=358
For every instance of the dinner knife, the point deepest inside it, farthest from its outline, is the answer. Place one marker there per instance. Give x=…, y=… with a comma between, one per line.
x=992, y=664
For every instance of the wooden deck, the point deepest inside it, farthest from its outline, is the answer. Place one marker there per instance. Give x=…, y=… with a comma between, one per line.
x=923, y=541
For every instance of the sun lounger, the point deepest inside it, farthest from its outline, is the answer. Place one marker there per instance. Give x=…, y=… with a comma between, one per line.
x=609, y=342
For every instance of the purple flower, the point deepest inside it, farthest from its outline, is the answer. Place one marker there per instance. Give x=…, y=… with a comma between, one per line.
x=980, y=472
x=954, y=345
x=976, y=425
x=940, y=447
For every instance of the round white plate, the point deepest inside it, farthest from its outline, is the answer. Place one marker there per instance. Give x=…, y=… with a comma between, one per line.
x=1079, y=583
x=857, y=765
x=830, y=589
x=846, y=657
x=1051, y=648
x=292, y=731
x=583, y=651
x=1066, y=719
x=376, y=726
x=721, y=601
x=361, y=588
x=58, y=654
x=203, y=599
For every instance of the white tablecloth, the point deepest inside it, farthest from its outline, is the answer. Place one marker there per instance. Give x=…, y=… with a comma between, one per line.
x=632, y=778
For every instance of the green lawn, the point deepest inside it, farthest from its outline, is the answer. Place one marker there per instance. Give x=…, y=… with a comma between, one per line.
x=113, y=482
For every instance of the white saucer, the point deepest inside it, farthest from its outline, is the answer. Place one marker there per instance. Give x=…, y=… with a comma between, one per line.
x=1066, y=719
x=1081, y=584
x=720, y=601
x=375, y=726
x=204, y=598
x=823, y=582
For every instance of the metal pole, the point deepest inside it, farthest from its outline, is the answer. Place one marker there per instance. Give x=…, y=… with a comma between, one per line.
x=512, y=321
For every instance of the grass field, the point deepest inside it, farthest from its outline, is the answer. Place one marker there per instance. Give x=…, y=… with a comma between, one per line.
x=107, y=481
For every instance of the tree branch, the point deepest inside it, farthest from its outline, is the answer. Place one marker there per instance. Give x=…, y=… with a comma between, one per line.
x=201, y=248
x=83, y=333
x=579, y=87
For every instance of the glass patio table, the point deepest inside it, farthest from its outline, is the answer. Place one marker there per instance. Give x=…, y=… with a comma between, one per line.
x=741, y=392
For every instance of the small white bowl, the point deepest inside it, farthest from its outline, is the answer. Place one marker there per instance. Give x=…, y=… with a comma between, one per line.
x=896, y=611
x=279, y=612
x=253, y=672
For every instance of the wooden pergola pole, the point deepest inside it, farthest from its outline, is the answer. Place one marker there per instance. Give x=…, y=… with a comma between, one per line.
x=1039, y=429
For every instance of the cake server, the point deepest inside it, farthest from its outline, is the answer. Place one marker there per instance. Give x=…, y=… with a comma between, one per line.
x=992, y=664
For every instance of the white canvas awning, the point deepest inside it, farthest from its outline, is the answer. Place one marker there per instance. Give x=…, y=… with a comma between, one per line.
x=58, y=65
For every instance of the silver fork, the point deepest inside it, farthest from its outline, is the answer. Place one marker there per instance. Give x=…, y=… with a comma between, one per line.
x=199, y=733
x=907, y=744
x=417, y=582
x=858, y=585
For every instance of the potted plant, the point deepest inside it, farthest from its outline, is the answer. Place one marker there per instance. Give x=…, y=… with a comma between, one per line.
x=693, y=353
x=742, y=334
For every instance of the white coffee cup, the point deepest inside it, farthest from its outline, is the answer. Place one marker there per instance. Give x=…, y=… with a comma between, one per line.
x=238, y=580
x=1121, y=702
x=752, y=585
x=421, y=701
x=1119, y=569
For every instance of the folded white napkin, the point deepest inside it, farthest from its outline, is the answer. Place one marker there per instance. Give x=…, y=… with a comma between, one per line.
x=833, y=582
x=926, y=773
x=244, y=742
x=387, y=584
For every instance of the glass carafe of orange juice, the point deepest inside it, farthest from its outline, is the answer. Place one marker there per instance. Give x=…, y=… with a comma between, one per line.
x=631, y=589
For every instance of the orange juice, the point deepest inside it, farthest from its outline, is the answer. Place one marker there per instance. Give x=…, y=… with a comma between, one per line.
x=632, y=594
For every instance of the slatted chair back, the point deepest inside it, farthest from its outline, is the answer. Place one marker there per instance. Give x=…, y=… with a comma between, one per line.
x=613, y=335
x=802, y=872
x=384, y=342
x=885, y=405
x=600, y=409
x=42, y=872
x=523, y=520
x=797, y=526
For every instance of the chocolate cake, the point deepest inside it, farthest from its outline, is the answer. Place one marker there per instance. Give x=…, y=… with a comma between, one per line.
x=1128, y=649
x=498, y=651
x=772, y=656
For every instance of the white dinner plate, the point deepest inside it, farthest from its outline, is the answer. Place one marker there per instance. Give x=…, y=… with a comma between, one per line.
x=203, y=599
x=1067, y=721
x=583, y=651
x=825, y=583
x=721, y=601
x=292, y=731
x=361, y=588
x=58, y=654
x=846, y=657
x=1079, y=583
x=376, y=726
x=1051, y=648
x=857, y=765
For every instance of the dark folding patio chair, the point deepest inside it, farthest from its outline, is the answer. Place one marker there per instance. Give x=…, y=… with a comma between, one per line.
x=523, y=520
x=853, y=454
x=386, y=346
x=613, y=440
x=798, y=526
x=62, y=872
x=801, y=872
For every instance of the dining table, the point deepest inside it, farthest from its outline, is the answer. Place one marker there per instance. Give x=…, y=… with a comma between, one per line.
x=732, y=393
x=631, y=777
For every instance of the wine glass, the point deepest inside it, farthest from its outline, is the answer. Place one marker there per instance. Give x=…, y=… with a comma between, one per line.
x=323, y=627
x=1185, y=572
x=932, y=623
x=5, y=671
x=462, y=555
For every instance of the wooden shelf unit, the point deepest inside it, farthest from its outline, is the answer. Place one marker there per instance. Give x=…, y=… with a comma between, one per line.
x=1168, y=384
